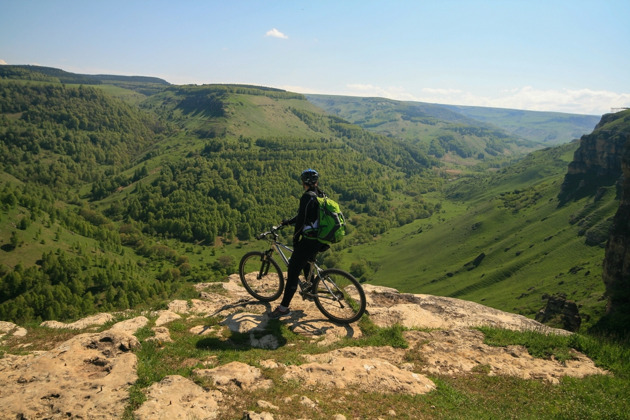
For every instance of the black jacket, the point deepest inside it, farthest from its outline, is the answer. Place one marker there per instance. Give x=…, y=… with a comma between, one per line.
x=307, y=212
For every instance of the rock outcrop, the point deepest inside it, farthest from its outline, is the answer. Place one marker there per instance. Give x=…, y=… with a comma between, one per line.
x=616, y=271
x=176, y=397
x=90, y=375
x=560, y=312
x=11, y=329
x=597, y=161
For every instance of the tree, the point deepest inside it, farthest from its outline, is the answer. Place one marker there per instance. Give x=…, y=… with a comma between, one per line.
x=14, y=241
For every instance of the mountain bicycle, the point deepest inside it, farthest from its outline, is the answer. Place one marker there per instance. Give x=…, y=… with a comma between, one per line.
x=336, y=293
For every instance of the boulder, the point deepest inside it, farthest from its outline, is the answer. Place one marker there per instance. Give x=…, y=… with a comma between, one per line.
x=88, y=377
x=176, y=397
x=235, y=375
x=560, y=312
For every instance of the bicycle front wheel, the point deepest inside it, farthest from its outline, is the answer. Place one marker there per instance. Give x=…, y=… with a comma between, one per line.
x=261, y=276
x=339, y=296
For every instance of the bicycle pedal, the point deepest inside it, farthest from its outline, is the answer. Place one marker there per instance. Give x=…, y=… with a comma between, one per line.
x=306, y=296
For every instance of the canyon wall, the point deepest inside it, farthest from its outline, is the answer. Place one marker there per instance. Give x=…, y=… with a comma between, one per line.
x=616, y=272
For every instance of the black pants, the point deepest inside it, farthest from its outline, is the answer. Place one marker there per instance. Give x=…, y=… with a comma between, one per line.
x=305, y=250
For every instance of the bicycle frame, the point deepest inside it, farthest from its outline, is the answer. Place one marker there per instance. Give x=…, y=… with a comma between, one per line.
x=279, y=246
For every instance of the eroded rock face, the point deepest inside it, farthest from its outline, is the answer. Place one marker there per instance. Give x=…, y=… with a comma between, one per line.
x=597, y=162
x=616, y=273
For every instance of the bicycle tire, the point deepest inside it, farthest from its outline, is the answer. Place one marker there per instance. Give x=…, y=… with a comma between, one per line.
x=261, y=276
x=347, y=302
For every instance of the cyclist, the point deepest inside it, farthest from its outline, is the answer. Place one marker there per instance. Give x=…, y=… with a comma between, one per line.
x=305, y=248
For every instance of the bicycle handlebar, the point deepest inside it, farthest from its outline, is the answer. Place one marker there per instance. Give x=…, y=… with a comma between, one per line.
x=274, y=231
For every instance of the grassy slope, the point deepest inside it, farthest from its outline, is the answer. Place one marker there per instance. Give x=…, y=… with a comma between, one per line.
x=528, y=252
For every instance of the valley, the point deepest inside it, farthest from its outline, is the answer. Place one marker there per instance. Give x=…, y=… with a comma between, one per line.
x=126, y=204
x=173, y=183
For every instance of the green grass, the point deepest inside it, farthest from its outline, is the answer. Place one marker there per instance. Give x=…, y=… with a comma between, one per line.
x=526, y=246
x=470, y=396
x=127, y=95
x=539, y=345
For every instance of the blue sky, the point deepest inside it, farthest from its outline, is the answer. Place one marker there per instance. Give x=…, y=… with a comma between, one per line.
x=547, y=55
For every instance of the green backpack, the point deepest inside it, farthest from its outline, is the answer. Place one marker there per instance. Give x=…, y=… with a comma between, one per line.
x=331, y=224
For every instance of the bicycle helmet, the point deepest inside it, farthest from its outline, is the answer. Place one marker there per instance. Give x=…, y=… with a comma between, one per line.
x=309, y=177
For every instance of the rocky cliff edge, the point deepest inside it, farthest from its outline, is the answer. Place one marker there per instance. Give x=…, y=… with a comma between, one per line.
x=89, y=374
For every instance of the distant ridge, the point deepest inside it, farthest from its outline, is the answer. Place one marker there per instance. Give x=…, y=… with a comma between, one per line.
x=29, y=71
x=548, y=127
x=409, y=119
x=138, y=79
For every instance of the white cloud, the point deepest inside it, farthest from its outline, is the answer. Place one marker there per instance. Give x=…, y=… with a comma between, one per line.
x=301, y=89
x=574, y=101
x=274, y=33
x=391, y=92
x=583, y=101
x=2, y=62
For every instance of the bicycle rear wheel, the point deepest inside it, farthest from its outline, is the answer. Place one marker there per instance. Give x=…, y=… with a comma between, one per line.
x=339, y=296
x=261, y=276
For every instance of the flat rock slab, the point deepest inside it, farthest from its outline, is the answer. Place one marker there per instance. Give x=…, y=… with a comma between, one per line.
x=235, y=375
x=388, y=307
x=88, y=377
x=369, y=375
x=165, y=317
x=176, y=397
x=98, y=319
x=460, y=351
x=11, y=329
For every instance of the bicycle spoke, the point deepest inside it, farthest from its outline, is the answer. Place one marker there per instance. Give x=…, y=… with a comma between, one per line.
x=261, y=276
x=339, y=296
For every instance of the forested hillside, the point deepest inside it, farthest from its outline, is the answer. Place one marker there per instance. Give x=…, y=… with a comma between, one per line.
x=62, y=137
x=142, y=84
x=242, y=149
x=98, y=195
x=62, y=148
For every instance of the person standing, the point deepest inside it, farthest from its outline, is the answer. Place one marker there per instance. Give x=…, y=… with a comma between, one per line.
x=305, y=246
